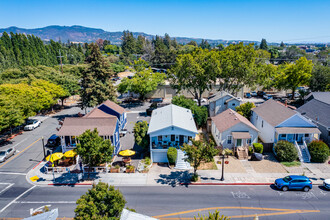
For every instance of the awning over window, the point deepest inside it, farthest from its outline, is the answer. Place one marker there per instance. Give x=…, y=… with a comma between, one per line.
x=241, y=135
x=297, y=130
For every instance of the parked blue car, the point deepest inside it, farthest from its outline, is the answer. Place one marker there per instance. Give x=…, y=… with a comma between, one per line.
x=294, y=182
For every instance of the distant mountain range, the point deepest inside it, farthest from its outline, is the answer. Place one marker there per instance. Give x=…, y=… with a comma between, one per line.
x=85, y=34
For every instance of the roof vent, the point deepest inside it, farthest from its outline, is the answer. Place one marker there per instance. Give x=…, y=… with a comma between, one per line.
x=235, y=118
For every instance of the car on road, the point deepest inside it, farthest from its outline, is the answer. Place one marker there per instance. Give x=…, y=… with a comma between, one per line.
x=156, y=100
x=248, y=95
x=294, y=182
x=53, y=141
x=326, y=184
x=116, y=78
x=31, y=124
x=5, y=154
x=261, y=93
x=254, y=94
x=267, y=96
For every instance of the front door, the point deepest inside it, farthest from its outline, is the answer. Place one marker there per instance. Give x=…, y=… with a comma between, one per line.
x=238, y=142
x=181, y=140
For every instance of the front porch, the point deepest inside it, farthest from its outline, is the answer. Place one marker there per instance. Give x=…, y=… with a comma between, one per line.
x=299, y=135
x=166, y=141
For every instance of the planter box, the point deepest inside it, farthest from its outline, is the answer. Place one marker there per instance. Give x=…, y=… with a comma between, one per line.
x=114, y=170
x=130, y=171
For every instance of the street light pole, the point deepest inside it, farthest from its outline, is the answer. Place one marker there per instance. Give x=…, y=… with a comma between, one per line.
x=43, y=145
x=223, y=167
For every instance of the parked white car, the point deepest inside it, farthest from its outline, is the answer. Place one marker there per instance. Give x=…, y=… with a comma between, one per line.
x=32, y=124
x=5, y=154
x=326, y=184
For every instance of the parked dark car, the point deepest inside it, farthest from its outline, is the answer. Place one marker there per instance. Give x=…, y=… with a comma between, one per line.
x=254, y=94
x=248, y=95
x=294, y=182
x=131, y=100
x=54, y=141
x=261, y=93
x=156, y=100
x=152, y=107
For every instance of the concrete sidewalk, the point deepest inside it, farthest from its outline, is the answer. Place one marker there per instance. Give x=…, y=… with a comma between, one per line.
x=161, y=176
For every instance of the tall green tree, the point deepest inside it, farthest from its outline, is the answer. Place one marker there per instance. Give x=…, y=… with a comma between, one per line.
x=96, y=85
x=263, y=44
x=102, y=202
x=93, y=149
x=195, y=72
x=128, y=44
x=295, y=74
x=238, y=67
x=320, y=79
x=141, y=134
x=143, y=82
x=198, y=152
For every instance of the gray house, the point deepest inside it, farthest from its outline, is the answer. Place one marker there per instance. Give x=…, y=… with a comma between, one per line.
x=231, y=130
x=221, y=102
x=317, y=109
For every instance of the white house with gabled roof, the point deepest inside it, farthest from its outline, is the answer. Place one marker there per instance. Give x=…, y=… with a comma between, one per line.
x=170, y=126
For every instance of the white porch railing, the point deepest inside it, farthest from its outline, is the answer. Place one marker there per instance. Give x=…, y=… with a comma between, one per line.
x=307, y=151
x=299, y=151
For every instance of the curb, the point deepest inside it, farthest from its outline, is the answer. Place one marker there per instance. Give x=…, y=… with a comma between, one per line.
x=227, y=184
x=70, y=184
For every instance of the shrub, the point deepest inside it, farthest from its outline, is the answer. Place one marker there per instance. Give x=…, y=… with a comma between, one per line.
x=194, y=178
x=228, y=152
x=319, y=151
x=285, y=151
x=258, y=147
x=171, y=155
x=250, y=150
x=147, y=161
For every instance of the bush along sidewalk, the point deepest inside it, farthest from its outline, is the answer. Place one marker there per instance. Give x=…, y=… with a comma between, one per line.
x=319, y=151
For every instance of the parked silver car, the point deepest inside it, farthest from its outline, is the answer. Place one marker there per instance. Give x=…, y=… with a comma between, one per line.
x=5, y=154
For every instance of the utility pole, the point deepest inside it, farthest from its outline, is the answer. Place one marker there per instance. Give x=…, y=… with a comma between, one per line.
x=60, y=60
x=43, y=146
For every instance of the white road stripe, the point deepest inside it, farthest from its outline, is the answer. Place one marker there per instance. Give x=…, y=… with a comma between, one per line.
x=20, y=142
x=9, y=173
x=9, y=204
x=10, y=185
x=44, y=202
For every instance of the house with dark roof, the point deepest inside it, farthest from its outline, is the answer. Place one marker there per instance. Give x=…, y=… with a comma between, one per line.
x=103, y=118
x=222, y=101
x=170, y=126
x=109, y=108
x=231, y=130
x=277, y=122
x=320, y=96
x=317, y=110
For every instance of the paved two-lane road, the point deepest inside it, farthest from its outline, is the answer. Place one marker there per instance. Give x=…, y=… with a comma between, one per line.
x=182, y=202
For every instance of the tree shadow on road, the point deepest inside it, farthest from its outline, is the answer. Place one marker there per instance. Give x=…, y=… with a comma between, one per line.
x=175, y=178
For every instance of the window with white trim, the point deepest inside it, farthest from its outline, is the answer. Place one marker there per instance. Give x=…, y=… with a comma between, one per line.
x=229, y=139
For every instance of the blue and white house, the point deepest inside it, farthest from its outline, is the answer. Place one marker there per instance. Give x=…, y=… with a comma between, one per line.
x=108, y=128
x=222, y=101
x=110, y=108
x=170, y=126
x=277, y=122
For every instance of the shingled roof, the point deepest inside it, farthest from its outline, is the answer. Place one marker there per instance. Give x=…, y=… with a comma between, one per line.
x=228, y=119
x=114, y=106
x=273, y=112
x=77, y=126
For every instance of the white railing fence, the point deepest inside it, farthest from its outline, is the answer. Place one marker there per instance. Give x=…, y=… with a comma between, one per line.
x=299, y=151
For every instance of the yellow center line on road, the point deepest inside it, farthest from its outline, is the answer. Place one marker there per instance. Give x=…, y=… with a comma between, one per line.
x=278, y=212
x=19, y=153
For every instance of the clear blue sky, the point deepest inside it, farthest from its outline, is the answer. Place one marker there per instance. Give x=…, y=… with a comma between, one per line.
x=287, y=20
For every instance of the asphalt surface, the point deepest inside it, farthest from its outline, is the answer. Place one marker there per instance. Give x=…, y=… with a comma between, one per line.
x=165, y=202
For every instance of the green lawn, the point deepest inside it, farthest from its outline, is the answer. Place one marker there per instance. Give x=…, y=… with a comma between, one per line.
x=291, y=164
